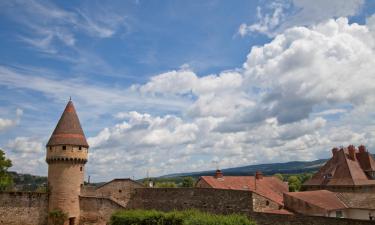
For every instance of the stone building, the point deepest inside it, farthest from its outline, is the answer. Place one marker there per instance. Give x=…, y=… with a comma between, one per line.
x=67, y=151
x=267, y=191
x=344, y=187
x=349, y=170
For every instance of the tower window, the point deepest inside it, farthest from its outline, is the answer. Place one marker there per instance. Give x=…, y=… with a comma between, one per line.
x=50, y=148
x=80, y=169
x=64, y=147
x=79, y=148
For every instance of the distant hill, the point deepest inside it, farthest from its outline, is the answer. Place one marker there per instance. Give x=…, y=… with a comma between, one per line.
x=267, y=169
x=293, y=167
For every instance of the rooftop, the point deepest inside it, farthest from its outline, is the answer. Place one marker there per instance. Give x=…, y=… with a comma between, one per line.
x=324, y=199
x=269, y=187
x=68, y=130
x=347, y=167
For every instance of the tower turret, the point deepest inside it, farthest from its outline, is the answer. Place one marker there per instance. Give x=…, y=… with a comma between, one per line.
x=67, y=151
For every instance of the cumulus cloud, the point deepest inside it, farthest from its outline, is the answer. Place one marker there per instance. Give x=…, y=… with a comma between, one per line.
x=307, y=90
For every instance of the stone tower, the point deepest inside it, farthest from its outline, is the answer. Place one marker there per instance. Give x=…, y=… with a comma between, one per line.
x=67, y=151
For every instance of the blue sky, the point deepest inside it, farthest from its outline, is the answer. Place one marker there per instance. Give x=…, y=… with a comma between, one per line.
x=174, y=86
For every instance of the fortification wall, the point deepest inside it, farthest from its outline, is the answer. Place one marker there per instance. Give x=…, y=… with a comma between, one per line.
x=97, y=210
x=26, y=208
x=205, y=199
x=280, y=219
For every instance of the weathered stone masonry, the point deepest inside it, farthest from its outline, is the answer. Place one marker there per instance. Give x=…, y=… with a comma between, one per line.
x=24, y=208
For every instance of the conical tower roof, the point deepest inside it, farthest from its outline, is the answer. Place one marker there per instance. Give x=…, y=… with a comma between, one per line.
x=68, y=130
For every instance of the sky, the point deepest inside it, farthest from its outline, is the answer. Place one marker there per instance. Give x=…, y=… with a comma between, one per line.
x=164, y=87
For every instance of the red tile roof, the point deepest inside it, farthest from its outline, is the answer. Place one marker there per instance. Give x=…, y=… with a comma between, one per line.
x=269, y=187
x=344, y=170
x=324, y=199
x=278, y=211
x=68, y=130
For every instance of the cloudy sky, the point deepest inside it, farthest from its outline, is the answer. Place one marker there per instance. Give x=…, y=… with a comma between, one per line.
x=177, y=86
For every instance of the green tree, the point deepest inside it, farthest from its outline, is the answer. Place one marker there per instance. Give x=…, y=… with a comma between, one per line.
x=187, y=182
x=165, y=185
x=294, y=183
x=279, y=175
x=6, y=180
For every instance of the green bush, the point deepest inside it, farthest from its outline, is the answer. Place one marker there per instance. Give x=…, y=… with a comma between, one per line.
x=187, y=217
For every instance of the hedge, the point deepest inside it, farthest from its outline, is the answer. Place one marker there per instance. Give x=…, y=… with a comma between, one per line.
x=187, y=217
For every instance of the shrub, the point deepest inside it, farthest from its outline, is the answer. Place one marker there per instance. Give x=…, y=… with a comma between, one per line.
x=57, y=217
x=187, y=217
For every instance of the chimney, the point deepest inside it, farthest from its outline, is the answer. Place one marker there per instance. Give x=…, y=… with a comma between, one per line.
x=362, y=149
x=218, y=174
x=258, y=175
x=334, y=151
x=351, y=149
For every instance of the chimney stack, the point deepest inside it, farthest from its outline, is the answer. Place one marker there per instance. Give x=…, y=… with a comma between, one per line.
x=362, y=149
x=258, y=175
x=218, y=174
x=351, y=149
x=334, y=151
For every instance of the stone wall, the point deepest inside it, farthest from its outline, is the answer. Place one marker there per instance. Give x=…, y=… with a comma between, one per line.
x=205, y=199
x=97, y=210
x=119, y=189
x=261, y=204
x=24, y=208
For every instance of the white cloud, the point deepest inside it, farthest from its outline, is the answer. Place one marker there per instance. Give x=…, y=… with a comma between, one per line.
x=8, y=123
x=25, y=145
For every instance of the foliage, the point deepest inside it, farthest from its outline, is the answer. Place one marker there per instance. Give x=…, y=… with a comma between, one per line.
x=294, y=183
x=187, y=217
x=6, y=180
x=178, y=181
x=57, y=217
x=165, y=185
x=279, y=175
x=188, y=182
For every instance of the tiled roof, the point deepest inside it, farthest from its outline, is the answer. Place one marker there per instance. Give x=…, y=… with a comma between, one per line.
x=358, y=200
x=68, y=130
x=278, y=211
x=269, y=187
x=344, y=170
x=323, y=199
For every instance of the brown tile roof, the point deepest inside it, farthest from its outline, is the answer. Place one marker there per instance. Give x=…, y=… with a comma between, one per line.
x=68, y=130
x=278, y=211
x=269, y=187
x=358, y=200
x=324, y=199
x=344, y=169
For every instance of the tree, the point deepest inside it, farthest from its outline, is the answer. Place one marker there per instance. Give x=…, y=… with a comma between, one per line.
x=188, y=182
x=6, y=180
x=279, y=175
x=165, y=185
x=294, y=183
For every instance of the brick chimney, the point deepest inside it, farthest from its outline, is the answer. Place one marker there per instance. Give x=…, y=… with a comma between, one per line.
x=351, y=149
x=258, y=175
x=218, y=174
x=334, y=151
x=362, y=149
